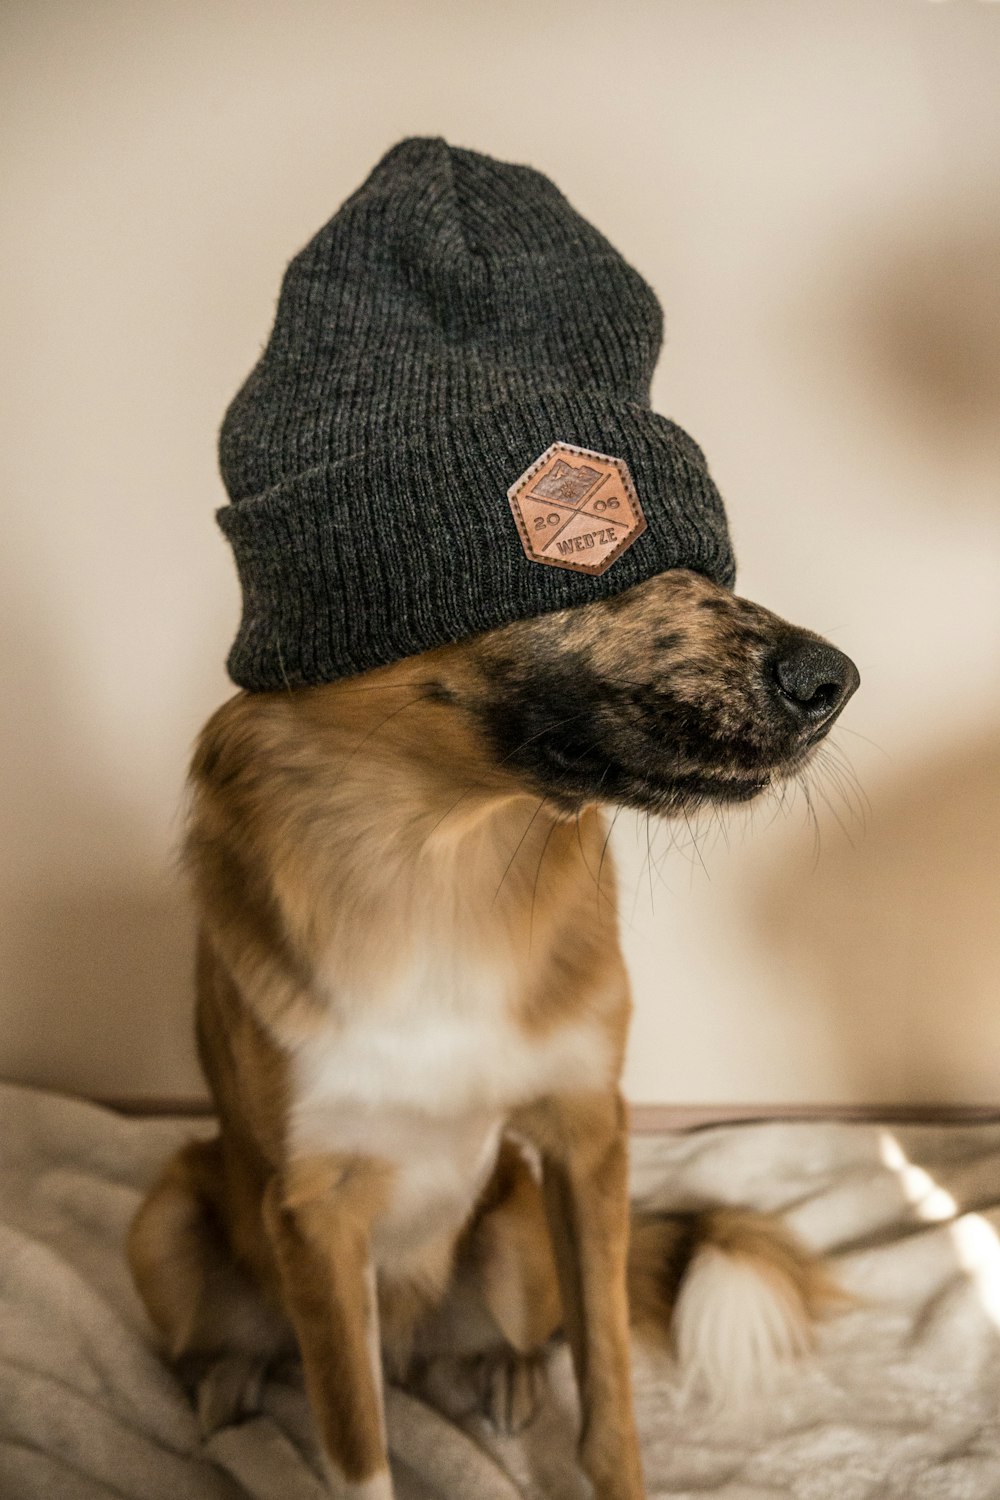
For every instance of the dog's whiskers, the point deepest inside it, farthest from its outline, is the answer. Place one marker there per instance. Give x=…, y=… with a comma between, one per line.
x=843, y=729
x=590, y=872
x=839, y=763
x=538, y=871
x=604, y=850
x=583, y=857
x=818, y=789
x=520, y=843
x=545, y=729
x=695, y=844
x=377, y=728
x=803, y=782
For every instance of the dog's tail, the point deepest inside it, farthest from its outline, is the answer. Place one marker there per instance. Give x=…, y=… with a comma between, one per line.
x=734, y=1292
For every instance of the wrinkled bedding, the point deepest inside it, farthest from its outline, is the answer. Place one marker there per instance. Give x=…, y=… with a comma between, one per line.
x=902, y=1402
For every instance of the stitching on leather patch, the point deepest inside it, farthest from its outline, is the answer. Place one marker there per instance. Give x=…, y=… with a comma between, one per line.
x=576, y=509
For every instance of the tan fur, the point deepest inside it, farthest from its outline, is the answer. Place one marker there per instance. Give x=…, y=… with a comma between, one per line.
x=343, y=839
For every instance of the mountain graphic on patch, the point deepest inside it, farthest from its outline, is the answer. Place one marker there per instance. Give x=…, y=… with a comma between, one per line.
x=569, y=482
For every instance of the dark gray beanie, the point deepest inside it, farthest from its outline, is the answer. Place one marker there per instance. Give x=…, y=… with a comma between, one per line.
x=449, y=324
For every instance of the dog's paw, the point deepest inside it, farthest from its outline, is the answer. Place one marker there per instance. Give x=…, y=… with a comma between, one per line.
x=226, y=1390
x=509, y=1387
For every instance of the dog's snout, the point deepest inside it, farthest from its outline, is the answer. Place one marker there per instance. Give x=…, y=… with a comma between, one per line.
x=814, y=681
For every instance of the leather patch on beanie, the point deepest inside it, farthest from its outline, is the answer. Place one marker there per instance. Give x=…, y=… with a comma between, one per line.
x=576, y=509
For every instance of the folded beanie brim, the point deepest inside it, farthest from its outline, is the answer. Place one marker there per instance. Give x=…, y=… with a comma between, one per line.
x=356, y=563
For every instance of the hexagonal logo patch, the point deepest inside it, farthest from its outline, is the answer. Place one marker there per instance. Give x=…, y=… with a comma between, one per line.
x=576, y=509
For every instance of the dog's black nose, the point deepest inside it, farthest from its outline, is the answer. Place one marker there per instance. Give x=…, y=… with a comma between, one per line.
x=814, y=680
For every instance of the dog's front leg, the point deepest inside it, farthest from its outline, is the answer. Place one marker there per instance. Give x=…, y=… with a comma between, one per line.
x=319, y=1213
x=583, y=1142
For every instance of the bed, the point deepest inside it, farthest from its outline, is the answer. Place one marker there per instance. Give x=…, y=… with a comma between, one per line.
x=902, y=1400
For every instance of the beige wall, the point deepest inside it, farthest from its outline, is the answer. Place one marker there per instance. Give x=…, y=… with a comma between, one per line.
x=811, y=187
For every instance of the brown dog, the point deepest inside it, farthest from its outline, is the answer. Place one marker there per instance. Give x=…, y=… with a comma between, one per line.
x=412, y=1011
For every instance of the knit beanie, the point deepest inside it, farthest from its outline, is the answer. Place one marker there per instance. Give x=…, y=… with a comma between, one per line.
x=449, y=428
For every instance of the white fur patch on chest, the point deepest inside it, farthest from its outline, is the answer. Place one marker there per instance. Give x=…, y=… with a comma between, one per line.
x=441, y=1040
x=423, y=1075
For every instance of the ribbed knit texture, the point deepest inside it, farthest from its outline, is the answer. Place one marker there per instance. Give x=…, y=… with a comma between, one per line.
x=449, y=323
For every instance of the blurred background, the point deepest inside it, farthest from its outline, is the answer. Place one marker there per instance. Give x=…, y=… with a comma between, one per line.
x=812, y=189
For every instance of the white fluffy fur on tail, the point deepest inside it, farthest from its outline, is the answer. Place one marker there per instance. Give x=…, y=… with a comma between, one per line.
x=736, y=1293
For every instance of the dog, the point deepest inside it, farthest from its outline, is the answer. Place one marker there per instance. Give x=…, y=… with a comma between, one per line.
x=412, y=1013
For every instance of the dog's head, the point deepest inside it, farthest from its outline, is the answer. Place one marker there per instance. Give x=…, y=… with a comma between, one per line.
x=669, y=696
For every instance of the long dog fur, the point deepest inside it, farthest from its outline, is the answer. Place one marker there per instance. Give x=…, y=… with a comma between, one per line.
x=412, y=1013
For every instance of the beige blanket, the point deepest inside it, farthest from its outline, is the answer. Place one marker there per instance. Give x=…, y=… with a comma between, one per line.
x=903, y=1402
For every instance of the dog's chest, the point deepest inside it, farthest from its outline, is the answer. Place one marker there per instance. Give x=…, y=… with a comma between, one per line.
x=422, y=1074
